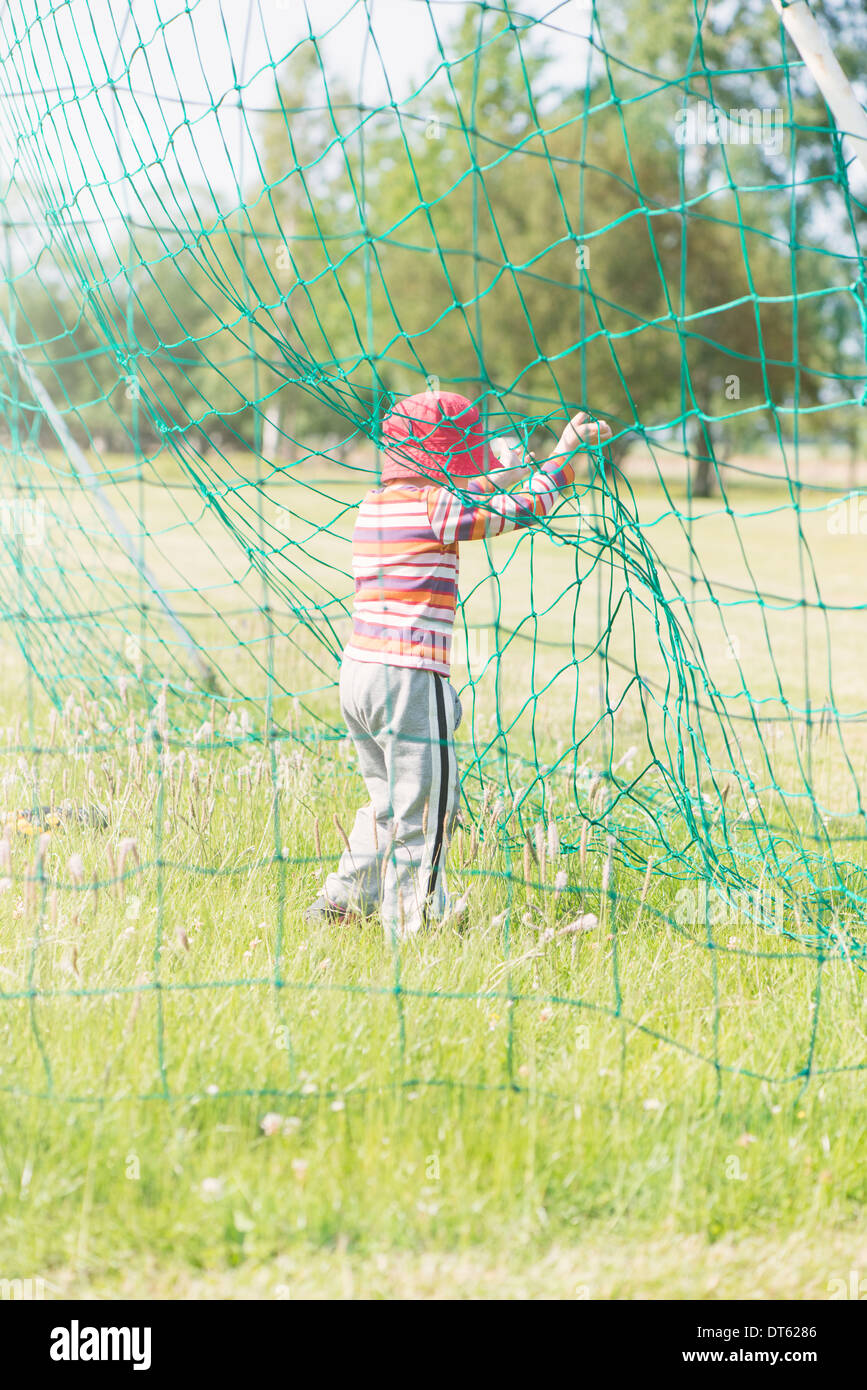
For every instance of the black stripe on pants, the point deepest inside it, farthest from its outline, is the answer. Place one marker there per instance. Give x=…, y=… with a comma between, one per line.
x=442, y=808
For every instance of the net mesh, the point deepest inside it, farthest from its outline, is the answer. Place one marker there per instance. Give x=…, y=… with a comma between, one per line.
x=232, y=236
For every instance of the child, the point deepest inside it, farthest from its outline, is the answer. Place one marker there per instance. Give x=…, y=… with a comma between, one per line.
x=399, y=706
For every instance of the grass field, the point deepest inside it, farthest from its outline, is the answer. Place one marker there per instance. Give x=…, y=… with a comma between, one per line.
x=203, y=1098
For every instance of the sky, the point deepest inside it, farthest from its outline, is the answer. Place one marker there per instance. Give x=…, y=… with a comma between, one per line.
x=91, y=90
x=191, y=78
x=101, y=98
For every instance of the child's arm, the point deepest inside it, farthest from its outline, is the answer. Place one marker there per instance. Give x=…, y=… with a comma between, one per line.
x=453, y=520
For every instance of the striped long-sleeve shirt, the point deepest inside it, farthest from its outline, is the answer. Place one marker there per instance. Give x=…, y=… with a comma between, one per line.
x=405, y=561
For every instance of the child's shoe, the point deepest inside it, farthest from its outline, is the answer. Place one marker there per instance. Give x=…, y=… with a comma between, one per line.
x=323, y=910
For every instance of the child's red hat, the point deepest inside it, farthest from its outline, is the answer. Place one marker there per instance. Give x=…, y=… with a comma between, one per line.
x=438, y=434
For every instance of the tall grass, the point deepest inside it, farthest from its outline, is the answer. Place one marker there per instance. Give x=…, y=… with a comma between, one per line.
x=193, y=1080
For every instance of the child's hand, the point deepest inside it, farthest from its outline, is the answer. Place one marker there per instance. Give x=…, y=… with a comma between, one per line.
x=514, y=468
x=582, y=430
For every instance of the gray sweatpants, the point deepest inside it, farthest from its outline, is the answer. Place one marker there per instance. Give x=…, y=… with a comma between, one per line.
x=402, y=722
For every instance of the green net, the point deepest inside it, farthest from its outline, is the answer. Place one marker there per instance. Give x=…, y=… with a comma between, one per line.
x=232, y=236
